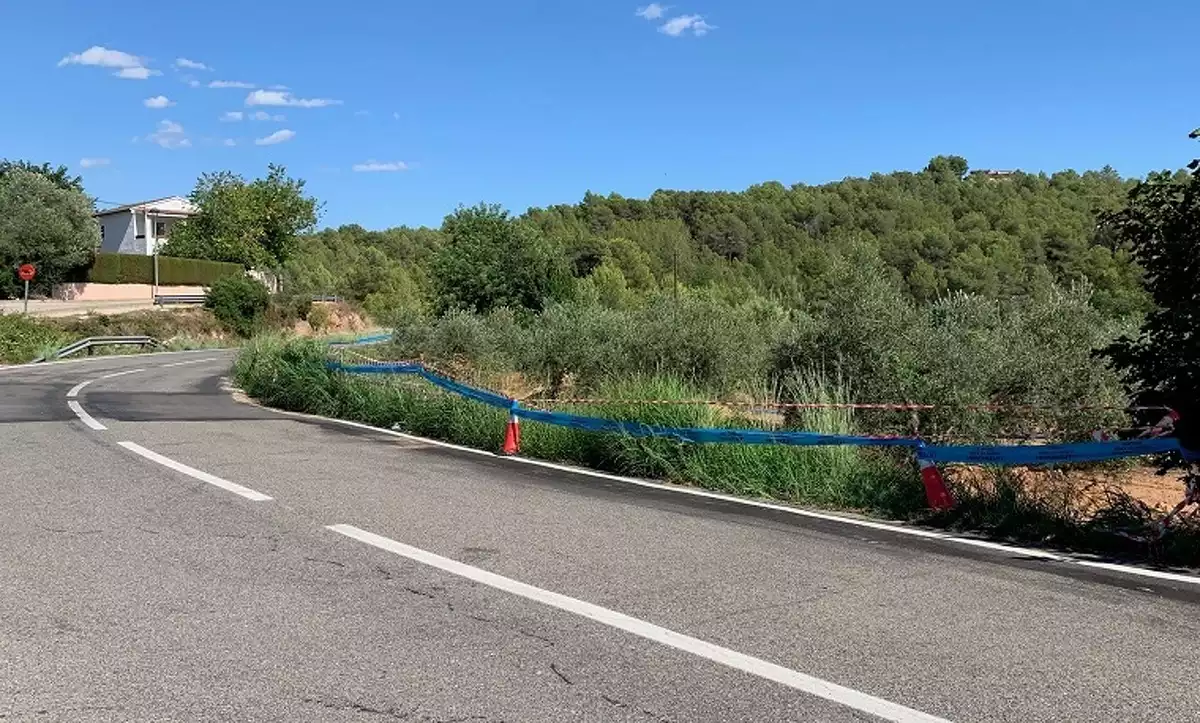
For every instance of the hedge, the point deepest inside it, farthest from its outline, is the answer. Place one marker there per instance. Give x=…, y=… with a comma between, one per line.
x=110, y=268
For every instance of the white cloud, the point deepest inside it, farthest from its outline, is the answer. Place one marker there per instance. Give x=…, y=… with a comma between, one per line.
x=653, y=11
x=277, y=137
x=262, y=115
x=680, y=25
x=93, y=162
x=190, y=64
x=280, y=98
x=103, y=57
x=229, y=143
x=169, y=135
x=373, y=166
x=158, y=101
x=233, y=115
x=138, y=73
x=279, y=87
x=231, y=84
x=193, y=83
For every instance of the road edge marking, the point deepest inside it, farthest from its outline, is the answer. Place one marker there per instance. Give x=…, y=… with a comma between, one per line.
x=796, y=680
x=252, y=495
x=84, y=417
x=190, y=361
x=75, y=390
x=890, y=527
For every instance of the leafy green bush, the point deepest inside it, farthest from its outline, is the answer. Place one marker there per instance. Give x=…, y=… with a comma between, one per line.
x=24, y=338
x=238, y=302
x=963, y=350
x=319, y=317
x=111, y=268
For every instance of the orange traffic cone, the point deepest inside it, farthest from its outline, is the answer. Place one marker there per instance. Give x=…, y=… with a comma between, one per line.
x=935, y=486
x=512, y=434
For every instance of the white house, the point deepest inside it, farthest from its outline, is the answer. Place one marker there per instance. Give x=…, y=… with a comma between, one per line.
x=140, y=228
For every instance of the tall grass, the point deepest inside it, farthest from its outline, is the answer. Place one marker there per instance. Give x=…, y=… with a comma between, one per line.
x=291, y=374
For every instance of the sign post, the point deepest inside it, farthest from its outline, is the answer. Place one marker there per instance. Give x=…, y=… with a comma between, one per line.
x=26, y=273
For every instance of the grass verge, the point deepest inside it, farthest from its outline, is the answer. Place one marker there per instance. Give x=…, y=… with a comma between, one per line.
x=291, y=374
x=24, y=338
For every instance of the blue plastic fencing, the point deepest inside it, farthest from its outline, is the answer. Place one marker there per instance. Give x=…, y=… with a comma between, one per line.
x=1000, y=455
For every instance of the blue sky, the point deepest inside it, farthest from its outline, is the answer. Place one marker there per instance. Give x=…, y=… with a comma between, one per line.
x=533, y=102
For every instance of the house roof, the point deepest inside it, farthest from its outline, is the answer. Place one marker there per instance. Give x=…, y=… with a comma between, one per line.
x=169, y=204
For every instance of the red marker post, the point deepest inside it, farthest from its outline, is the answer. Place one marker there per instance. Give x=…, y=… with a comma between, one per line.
x=26, y=273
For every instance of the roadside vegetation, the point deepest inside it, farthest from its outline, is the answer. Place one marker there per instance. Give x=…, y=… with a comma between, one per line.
x=1055, y=301
x=1041, y=285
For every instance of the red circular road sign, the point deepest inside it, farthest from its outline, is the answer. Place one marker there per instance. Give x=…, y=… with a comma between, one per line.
x=26, y=272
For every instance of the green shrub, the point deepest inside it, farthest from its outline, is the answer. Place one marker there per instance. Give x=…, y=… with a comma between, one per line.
x=194, y=272
x=24, y=338
x=111, y=268
x=319, y=317
x=238, y=302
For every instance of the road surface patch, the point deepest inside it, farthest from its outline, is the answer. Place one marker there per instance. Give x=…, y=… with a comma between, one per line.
x=824, y=689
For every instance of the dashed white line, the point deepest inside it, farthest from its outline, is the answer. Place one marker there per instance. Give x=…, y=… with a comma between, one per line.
x=842, y=695
x=194, y=473
x=85, y=417
x=79, y=387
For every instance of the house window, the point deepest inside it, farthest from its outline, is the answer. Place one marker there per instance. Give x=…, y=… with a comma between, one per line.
x=160, y=229
x=101, y=233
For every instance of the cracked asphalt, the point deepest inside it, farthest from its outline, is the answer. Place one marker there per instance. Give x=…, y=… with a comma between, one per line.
x=132, y=592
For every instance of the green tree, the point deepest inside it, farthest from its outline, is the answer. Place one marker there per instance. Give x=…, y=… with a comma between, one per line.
x=948, y=168
x=491, y=260
x=59, y=176
x=1161, y=225
x=43, y=224
x=238, y=302
x=254, y=223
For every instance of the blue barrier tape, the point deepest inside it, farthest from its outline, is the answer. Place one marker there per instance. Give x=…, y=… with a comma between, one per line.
x=480, y=395
x=363, y=341
x=1003, y=455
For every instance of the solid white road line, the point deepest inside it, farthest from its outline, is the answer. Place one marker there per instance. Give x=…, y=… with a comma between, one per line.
x=195, y=473
x=79, y=387
x=85, y=417
x=848, y=697
x=797, y=511
x=185, y=363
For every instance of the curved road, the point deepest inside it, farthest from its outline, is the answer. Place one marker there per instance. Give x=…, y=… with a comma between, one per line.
x=170, y=553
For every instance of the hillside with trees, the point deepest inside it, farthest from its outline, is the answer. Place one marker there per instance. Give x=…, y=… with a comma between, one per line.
x=933, y=232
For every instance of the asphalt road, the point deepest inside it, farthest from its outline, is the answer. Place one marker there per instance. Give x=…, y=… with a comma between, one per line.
x=172, y=558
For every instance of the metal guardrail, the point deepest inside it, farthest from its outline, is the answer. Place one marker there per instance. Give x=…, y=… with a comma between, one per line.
x=318, y=297
x=95, y=341
x=168, y=299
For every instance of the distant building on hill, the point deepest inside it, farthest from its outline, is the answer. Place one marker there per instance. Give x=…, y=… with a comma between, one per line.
x=140, y=228
x=994, y=175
